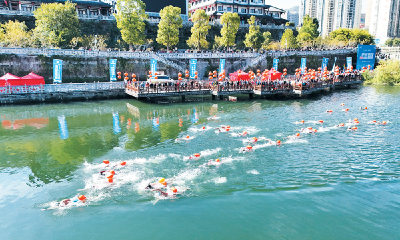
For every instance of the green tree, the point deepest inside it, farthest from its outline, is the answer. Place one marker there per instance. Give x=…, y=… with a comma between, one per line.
x=288, y=39
x=230, y=25
x=254, y=39
x=389, y=42
x=267, y=39
x=396, y=42
x=341, y=34
x=168, y=28
x=387, y=73
x=199, y=30
x=309, y=30
x=15, y=34
x=362, y=36
x=130, y=21
x=56, y=24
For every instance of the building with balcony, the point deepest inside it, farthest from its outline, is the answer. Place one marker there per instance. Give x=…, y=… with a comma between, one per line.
x=384, y=20
x=244, y=8
x=293, y=17
x=85, y=9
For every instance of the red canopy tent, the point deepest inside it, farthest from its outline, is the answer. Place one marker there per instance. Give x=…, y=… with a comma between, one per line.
x=10, y=79
x=239, y=76
x=32, y=79
x=274, y=76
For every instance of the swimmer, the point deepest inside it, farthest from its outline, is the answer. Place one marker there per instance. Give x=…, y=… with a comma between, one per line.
x=247, y=149
x=255, y=139
x=195, y=156
x=186, y=138
x=66, y=202
x=213, y=118
x=340, y=125
x=160, y=184
x=217, y=162
x=363, y=108
x=169, y=194
x=243, y=134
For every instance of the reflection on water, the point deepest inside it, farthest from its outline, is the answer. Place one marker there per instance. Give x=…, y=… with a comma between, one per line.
x=62, y=124
x=116, y=127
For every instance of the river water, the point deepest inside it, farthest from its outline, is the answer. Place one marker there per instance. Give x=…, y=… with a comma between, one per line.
x=331, y=184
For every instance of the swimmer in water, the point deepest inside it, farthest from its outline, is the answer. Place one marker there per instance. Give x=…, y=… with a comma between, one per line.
x=169, y=194
x=160, y=184
x=243, y=134
x=217, y=162
x=65, y=202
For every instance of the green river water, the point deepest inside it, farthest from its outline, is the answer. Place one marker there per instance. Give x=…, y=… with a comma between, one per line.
x=332, y=184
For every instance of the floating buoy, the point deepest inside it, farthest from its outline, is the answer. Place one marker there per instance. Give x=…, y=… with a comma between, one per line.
x=278, y=142
x=384, y=122
x=173, y=189
x=197, y=155
x=187, y=136
x=302, y=121
x=82, y=197
x=346, y=109
x=106, y=161
x=320, y=121
x=329, y=111
x=297, y=134
x=217, y=160
x=112, y=172
x=162, y=180
x=249, y=147
x=123, y=163
x=110, y=180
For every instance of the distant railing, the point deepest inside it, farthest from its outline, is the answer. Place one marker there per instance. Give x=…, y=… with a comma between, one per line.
x=30, y=13
x=58, y=88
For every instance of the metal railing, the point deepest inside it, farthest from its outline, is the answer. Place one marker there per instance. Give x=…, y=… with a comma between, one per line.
x=142, y=88
x=30, y=13
x=57, y=88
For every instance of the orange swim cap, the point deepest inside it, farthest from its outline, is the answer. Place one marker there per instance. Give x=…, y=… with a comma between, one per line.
x=355, y=119
x=106, y=161
x=164, y=183
x=187, y=136
x=354, y=127
x=374, y=121
x=197, y=154
x=203, y=128
x=123, y=163
x=82, y=197
x=110, y=180
x=111, y=176
x=173, y=189
x=384, y=122
x=112, y=172
x=255, y=139
x=249, y=147
x=297, y=134
x=341, y=124
x=302, y=121
x=321, y=121
x=278, y=142
x=346, y=109
x=217, y=160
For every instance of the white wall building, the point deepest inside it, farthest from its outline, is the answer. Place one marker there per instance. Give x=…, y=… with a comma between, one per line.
x=293, y=17
x=384, y=20
x=347, y=14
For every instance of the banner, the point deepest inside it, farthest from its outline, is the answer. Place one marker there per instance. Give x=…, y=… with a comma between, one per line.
x=116, y=127
x=193, y=67
x=57, y=70
x=303, y=65
x=349, y=62
x=333, y=68
x=366, y=56
x=62, y=125
x=221, y=65
x=113, y=69
x=275, y=64
x=325, y=63
x=153, y=66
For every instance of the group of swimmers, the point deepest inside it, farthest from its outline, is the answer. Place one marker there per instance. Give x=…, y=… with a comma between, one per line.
x=167, y=190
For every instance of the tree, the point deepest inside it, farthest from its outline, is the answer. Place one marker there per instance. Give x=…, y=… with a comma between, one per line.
x=396, y=42
x=267, y=39
x=230, y=23
x=15, y=34
x=341, y=34
x=168, y=28
x=56, y=24
x=309, y=30
x=389, y=42
x=388, y=72
x=199, y=30
x=130, y=21
x=362, y=36
x=288, y=40
x=254, y=39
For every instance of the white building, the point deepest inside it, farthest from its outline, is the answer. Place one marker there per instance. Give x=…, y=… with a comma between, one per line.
x=293, y=17
x=244, y=8
x=384, y=20
x=347, y=14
